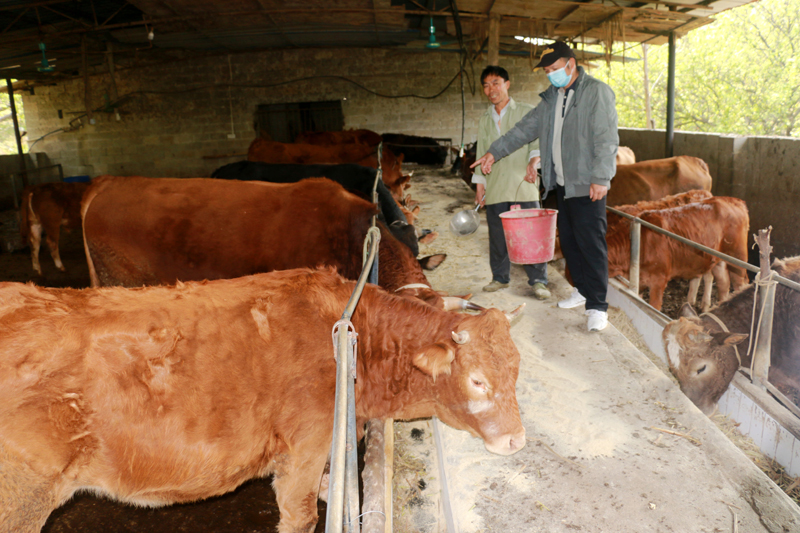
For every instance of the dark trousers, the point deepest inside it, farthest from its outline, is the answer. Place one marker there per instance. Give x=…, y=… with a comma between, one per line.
x=582, y=230
x=498, y=253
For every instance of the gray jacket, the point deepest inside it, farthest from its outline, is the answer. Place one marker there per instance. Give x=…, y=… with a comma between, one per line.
x=589, y=138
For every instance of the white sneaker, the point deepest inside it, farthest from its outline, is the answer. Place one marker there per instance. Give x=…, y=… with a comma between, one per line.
x=598, y=320
x=575, y=299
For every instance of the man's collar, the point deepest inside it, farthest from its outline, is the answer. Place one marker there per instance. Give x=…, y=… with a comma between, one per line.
x=511, y=103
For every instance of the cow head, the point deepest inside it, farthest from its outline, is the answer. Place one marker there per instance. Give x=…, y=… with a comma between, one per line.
x=474, y=375
x=703, y=361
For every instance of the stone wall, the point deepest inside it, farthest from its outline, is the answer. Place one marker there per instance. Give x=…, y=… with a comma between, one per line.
x=176, y=115
x=763, y=171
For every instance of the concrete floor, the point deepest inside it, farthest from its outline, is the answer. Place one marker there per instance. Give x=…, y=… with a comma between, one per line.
x=607, y=431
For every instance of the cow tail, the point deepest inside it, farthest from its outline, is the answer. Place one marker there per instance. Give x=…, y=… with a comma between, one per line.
x=24, y=216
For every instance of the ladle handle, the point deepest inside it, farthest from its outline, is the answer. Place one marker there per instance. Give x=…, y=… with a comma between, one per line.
x=478, y=205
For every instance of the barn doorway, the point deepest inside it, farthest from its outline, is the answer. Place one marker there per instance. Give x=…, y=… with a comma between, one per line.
x=284, y=122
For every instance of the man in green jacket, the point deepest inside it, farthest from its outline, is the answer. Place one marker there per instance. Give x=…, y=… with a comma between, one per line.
x=576, y=124
x=507, y=184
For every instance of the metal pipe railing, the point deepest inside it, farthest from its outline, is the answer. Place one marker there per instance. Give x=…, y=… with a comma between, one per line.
x=343, y=505
x=728, y=259
x=761, y=355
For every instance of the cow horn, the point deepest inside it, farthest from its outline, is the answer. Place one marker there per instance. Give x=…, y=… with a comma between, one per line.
x=462, y=337
x=452, y=303
x=515, y=313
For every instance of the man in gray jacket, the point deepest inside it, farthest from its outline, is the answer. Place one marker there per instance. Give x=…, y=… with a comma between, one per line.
x=576, y=124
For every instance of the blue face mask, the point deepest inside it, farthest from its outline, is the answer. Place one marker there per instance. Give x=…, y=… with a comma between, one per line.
x=560, y=78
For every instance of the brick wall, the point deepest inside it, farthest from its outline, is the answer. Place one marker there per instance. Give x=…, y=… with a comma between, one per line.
x=167, y=127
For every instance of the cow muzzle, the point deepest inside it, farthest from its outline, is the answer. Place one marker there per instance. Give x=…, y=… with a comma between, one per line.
x=507, y=444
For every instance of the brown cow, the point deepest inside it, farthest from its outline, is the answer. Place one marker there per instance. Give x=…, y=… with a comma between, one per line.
x=327, y=138
x=175, y=394
x=45, y=208
x=625, y=156
x=304, y=154
x=149, y=231
x=702, y=356
x=720, y=223
x=651, y=180
x=618, y=223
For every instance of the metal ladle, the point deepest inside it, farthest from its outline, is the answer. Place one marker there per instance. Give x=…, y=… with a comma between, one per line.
x=466, y=222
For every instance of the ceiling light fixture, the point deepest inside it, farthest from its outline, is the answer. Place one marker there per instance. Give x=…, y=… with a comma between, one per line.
x=45, y=64
x=432, y=44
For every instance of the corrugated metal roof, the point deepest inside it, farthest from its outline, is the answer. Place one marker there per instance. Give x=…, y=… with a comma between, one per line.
x=211, y=26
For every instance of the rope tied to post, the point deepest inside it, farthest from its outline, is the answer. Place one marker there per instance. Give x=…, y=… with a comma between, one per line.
x=352, y=335
x=768, y=283
x=373, y=233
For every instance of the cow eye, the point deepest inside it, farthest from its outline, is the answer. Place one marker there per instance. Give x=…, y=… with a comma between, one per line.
x=701, y=370
x=478, y=384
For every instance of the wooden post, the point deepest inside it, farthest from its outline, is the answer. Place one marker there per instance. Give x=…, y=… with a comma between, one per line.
x=110, y=60
x=388, y=473
x=763, y=325
x=494, y=40
x=373, y=478
x=87, y=87
x=648, y=113
x=23, y=167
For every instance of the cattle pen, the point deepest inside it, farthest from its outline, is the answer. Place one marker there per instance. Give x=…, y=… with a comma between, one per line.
x=766, y=415
x=613, y=445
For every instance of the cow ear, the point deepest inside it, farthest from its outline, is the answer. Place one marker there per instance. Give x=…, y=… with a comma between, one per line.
x=401, y=157
x=729, y=339
x=432, y=261
x=435, y=360
x=687, y=310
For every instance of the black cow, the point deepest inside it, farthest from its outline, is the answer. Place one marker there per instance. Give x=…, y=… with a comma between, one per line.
x=354, y=178
x=422, y=150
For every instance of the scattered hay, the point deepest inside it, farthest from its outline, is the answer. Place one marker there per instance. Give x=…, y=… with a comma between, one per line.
x=410, y=473
x=788, y=484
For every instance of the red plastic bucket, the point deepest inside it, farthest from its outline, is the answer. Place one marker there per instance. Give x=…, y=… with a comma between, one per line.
x=530, y=234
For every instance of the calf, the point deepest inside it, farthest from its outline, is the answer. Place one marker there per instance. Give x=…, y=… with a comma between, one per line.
x=174, y=394
x=720, y=223
x=702, y=354
x=45, y=209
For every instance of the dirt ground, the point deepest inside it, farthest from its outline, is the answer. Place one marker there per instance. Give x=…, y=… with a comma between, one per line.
x=613, y=445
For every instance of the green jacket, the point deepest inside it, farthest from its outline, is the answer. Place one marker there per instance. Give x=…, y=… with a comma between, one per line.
x=505, y=183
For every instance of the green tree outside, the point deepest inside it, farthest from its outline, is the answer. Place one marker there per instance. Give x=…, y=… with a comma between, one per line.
x=739, y=75
x=8, y=143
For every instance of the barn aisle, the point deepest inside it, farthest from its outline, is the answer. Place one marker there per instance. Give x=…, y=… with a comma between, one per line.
x=613, y=445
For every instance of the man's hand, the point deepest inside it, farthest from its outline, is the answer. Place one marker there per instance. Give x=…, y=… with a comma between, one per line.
x=485, y=162
x=530, y=172
x=480, y=194
x=597, y=192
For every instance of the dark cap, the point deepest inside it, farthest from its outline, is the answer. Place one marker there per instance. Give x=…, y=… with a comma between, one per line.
x=553, y=52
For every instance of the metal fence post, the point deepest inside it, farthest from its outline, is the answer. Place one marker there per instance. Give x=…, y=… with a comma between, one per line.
x=633, y=275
